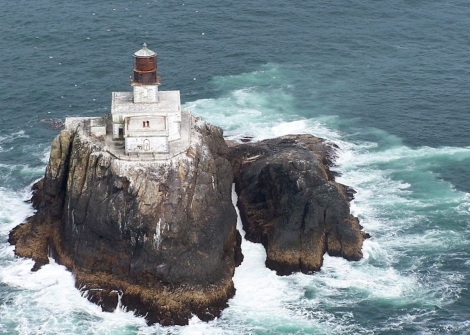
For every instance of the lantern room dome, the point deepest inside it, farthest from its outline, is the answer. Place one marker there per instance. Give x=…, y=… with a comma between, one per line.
x=144, y=52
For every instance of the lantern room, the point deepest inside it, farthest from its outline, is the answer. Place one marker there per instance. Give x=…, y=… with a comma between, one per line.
x=145, y=80
x=145, y=67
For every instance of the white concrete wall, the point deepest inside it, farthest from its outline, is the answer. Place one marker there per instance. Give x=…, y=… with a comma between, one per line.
x=118, y=118
x=174, y=125
x=145, y=93
x=116, y=127
x=98, y=131
x=146, y=126
x=134, y=145
x=147, y=102
x=174, y=131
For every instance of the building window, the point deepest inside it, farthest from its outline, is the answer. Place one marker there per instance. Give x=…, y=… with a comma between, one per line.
x=143, y=124
x=148, y=124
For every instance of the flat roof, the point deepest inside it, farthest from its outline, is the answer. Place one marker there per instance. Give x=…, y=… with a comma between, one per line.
x=168, y=102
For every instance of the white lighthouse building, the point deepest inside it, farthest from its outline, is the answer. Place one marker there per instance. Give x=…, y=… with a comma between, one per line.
x=147, y=119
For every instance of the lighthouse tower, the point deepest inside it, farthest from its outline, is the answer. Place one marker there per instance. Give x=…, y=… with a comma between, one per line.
x=145, y=80
x=147, y=120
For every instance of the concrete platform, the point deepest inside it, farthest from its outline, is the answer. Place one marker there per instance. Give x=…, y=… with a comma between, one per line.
x=116, y=147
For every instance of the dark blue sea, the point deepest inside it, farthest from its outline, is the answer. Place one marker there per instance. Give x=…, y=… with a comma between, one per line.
x=387, y=81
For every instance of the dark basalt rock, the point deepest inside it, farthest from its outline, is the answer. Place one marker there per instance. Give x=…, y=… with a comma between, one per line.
x=159, y=236
x=289, y=202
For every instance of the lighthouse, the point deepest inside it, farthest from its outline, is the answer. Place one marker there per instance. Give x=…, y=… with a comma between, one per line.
x=145, y=80
x=146, y=119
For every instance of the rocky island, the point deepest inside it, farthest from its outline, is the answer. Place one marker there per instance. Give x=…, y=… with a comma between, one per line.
x=288, y=201
x=137, y=205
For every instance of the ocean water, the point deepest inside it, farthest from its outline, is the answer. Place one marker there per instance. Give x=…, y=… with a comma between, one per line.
x=386, y=81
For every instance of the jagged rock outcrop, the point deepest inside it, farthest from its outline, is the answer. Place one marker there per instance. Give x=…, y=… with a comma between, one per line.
x=158, y=235
x=289, y=202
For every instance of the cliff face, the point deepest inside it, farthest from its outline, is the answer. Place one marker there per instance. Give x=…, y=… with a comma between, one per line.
x=289, y=202
x=160, y=234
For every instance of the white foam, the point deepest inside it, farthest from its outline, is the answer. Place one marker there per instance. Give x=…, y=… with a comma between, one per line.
x=401, y=154
x=14, y=209
x=49, y=302
x=463, y=207
x=8, y=138
x=401, y=223
x=260, y=292
x=264, y=107
x=10, y=171
x=255, y=118
x=375, y=282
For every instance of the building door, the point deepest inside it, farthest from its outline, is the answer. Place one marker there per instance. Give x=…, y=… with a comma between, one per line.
x=146, y=145
x=121, y=132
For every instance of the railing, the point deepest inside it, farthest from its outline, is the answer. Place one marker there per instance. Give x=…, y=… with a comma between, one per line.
x=133, y=82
